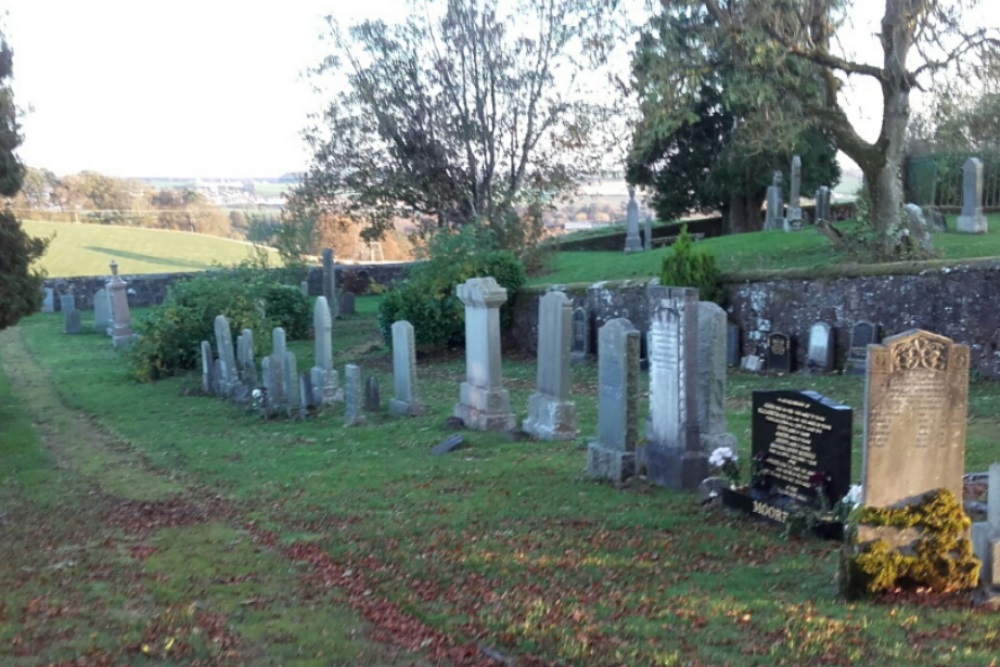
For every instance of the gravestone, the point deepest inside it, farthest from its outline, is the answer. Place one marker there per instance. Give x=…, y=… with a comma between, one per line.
x=673, y=455
x=986, y=534
x=330, y=282
x=772, y=213
x=581, y=336
x=208, y=380
x=551, y=415
x=324, y=379
x=290, y=380
x=373, y=401
x=916, y=399
x=733, y=339
x=801, y=449
x=647, y=237
x=277, y=394
x=794, y=193
x=863, y=334
x=352, y=395
x=823, y=213
x=632, y=241
x=71, y=316
x=711, y=380
x=779, y=353
x=918, y=231
x=304, y=288
x=612, y=455
x=448, y=445
x=484, y=405
x=48, y=300
x=246, y=367
x=972, y=220
x=819, y=357
x=266, y=402
x=404, y=371
x=229, y=378
x=121, y=327
x=347, y=304
x=102, y=311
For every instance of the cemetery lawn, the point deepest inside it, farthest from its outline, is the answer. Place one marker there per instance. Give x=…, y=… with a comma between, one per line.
x=132, y=515
x=86, y=250
x=741, y=254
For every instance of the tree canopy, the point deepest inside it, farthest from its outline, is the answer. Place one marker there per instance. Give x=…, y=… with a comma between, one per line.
x=20, y=285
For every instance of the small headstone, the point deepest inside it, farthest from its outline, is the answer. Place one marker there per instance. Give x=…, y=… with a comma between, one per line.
x=306, y=390
x=581, y=336
x=304, y=288
x=347, y=304
x=484, y=405
x=794, y=205
x=779, y=353
x=972, y=220
x=67, y=302
x=751, y=363
x=330, y=283
x=102, y=311
x=352, y=395
x=48, y=300
x=986, y=534
x=918, y=232
x=246, y=367
x=733, y=340
x=823, y=213
x=449, y=444
x=863, y=334
x=632, y=241
x=551, y=415
x=819, y=357
x=72, y=321
x=208, y=381
x=373, y=402
x=404, y=371
x=936, y=219
x=612, y=455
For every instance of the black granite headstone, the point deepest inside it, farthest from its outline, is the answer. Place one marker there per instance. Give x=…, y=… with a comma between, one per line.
x=863, y=334
x=778, y=358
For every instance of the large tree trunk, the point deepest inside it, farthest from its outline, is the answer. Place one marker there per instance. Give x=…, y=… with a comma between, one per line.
x=743, y=213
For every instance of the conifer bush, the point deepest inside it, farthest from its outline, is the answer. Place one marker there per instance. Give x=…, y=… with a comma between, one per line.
x=686, y=267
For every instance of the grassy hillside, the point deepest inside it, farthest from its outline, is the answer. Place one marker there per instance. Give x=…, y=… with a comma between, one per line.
x=86, y=250
x=750, y=252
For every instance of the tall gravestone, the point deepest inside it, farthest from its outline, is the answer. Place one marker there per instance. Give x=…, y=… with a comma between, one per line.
x=972, y=220
x=551, y=415
x=819, y=357
x=711, y=383
x=121, y=328
x=632, y=241
x=404, y=371
x=229, y=378
x=581, y=336
x=102, y=311
x=484, y=405
x=71, y=316
x=330, y=283
x=916, y=399
x=324, y=379
x=673, y=455
x=863, y=334
x=794, y=193
x=352, y=395
x=612, y=455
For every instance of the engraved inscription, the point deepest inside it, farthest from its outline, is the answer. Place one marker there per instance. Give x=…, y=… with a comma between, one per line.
x=791, y=460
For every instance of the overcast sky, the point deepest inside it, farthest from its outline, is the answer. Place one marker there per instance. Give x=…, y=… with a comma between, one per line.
x=201, y=88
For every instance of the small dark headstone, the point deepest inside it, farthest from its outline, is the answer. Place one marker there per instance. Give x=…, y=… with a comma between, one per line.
x=733, y=344
x=779, y=353
x=449, y=444
x=863, y=334
x=346, y=304
x=373, y=402
x=581, y=335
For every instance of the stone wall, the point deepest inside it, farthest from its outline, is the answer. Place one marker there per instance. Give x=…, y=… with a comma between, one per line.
x=958, y=302
x=151, y=288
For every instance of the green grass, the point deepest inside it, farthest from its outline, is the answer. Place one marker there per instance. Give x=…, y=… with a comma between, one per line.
x=504, y=543
x=86, y=250
x=744, y=253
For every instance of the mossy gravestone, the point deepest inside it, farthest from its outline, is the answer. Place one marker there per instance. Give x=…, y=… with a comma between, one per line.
x=911, y=528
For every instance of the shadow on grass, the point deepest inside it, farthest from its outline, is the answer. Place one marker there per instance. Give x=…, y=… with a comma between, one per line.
x=150, y=259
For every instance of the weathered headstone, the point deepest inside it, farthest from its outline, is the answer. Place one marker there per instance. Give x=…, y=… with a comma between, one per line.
x=48, y=300
x=277, y=392
x=551, y=415
x=711, y=382
x=121, y=328
x=632, y=241
x=229, y=378
x=647, y=233
x=581, y=336
x=324, y=379
x=863, y=334
x=330, y=282
x=484, y=405
x=819, y=357
x=733, y=339
x=304, y=288
x=972, y=220
x=71, y=316
x=352, y=395
x=347, y=304
x=404, y=371
x=794, y=193
x=102, y=311
x=673, y=455
x=918, y=232
x=373, y=400
x=246, y=367
x=823, y=212
x=208, y=380
x=986, y=534
x=801, y=449
x=612, y=455
x=773, y=213
x=779, y=353
x=293, y=396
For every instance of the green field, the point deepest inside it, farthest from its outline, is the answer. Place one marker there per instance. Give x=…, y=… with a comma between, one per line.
x=86, y=250
x=743, y=253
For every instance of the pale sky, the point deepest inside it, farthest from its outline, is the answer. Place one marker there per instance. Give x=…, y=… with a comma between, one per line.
x=204, y=88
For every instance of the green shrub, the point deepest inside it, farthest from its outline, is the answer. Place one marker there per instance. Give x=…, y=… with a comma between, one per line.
x=686, y=267
x=428, y=300
x=170, y=335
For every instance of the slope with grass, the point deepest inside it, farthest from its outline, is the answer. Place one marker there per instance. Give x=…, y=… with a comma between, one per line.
x=743, y=253
x=86, y=250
